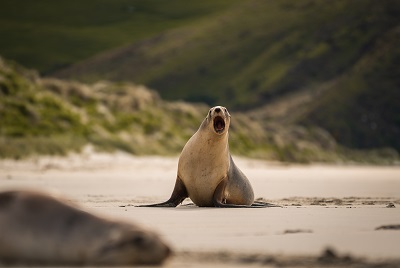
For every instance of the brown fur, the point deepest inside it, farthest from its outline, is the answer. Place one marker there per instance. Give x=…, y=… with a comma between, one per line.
x=37, y=228
x=206, y=171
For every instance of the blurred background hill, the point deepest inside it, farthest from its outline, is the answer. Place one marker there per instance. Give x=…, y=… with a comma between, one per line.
x=312, y=78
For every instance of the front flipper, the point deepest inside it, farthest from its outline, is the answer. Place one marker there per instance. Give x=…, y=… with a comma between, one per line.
x=178, y=195
x=219, y=199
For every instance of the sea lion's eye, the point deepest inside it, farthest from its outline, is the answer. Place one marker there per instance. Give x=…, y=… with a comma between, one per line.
x=225, y=110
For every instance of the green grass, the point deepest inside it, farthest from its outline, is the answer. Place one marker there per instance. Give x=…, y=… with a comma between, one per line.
x=54, y=117
x=254, y=50
x=362, y=109
x=240, y=54
x=66, y=32
x=257, y=51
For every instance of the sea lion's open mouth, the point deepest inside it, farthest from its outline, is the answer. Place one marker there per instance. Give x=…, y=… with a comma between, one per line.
x=219, y=124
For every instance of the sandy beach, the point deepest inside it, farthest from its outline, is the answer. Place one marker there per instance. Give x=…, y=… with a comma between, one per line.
x=329, y=215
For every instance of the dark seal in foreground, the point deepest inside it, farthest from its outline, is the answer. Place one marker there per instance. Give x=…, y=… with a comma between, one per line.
x=206, y=171
x=39, y=229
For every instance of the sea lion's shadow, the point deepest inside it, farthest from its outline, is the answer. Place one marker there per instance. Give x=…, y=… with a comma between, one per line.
x=191, y=206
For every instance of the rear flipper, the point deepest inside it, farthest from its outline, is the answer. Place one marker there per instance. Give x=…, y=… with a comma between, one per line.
x=219, y=199
x=178, y=195
x=260, y=204
x=254, y=205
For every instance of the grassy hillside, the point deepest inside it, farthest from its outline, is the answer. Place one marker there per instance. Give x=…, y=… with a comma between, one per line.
x=51, y=116
x=363, y=109
x=47, y=35
x=360, y=108
x=258, y=51
x=253, y=51
x=311, y=63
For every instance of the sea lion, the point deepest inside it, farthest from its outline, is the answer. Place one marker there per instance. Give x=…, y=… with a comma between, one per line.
x=39, y=229
x=206, y=171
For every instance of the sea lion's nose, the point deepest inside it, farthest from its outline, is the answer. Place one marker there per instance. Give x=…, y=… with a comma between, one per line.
x=217, y=110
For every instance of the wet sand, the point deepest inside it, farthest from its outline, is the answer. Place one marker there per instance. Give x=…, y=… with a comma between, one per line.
x=338, y=208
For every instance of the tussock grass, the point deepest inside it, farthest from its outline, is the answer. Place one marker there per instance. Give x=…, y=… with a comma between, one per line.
x=54, y=117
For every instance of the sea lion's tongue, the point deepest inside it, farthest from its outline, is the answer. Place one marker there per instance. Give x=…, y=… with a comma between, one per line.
x=219, y=124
